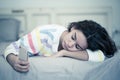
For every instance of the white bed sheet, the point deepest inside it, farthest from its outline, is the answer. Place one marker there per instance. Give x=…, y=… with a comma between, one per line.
x=48, y=69
x=63, y=68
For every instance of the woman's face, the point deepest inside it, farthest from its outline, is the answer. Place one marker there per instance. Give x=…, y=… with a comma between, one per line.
x=74, y=41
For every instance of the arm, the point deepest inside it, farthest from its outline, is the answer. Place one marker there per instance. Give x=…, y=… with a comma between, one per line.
x=11, y=56
x=18, y=65
x=87, y=55
x=82, y=55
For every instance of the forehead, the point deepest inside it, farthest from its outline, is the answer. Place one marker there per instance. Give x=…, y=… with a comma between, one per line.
x=81, y=39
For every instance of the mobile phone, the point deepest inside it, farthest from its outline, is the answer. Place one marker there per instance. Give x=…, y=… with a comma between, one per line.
x=23, y=54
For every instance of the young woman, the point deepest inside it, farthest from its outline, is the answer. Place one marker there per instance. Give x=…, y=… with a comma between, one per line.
x=83, y=40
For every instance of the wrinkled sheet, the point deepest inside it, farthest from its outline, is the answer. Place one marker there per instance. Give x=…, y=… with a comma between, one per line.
x=108, y=70
x=63, y=68
x=48, y=69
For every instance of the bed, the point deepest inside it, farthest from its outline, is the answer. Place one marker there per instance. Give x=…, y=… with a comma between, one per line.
x=63, y=68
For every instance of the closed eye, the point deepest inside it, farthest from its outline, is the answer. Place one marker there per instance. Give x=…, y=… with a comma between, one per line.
x=73, y=38
x=77, y=45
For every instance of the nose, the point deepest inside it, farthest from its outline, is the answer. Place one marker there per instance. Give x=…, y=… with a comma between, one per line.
x=71, y=44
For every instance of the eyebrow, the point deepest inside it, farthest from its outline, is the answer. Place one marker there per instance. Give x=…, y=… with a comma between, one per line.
x=78, y=44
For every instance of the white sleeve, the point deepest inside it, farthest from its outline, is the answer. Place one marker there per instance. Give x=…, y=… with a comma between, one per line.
x=11, y=49
x=96, y=56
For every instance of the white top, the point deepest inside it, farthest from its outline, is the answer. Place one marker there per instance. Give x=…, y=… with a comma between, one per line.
x=44, y=40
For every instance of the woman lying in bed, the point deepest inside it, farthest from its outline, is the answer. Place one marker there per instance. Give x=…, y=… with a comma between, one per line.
x=84, y=40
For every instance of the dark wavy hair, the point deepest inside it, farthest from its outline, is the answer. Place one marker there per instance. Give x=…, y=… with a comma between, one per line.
x=96, y=35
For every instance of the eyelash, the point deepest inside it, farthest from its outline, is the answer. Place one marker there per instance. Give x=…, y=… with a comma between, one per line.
x=76, y=46
x=74, y=39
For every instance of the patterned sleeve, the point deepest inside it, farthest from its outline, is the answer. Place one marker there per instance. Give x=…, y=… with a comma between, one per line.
x=96, y=56
x=29, y=41
x=39, y=41
x=12, y=48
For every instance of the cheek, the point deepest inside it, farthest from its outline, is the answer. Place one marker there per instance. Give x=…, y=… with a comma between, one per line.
x=66, y=37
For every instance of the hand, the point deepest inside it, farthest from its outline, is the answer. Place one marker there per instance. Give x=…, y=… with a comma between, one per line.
x=17, y=64
x=21, y=66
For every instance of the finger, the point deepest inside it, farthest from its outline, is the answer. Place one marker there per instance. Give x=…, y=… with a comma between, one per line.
x=18, y=61
x=23, y=62
x=21, y=68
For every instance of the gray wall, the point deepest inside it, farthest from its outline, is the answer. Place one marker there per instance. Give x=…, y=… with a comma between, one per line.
x=115, y=4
